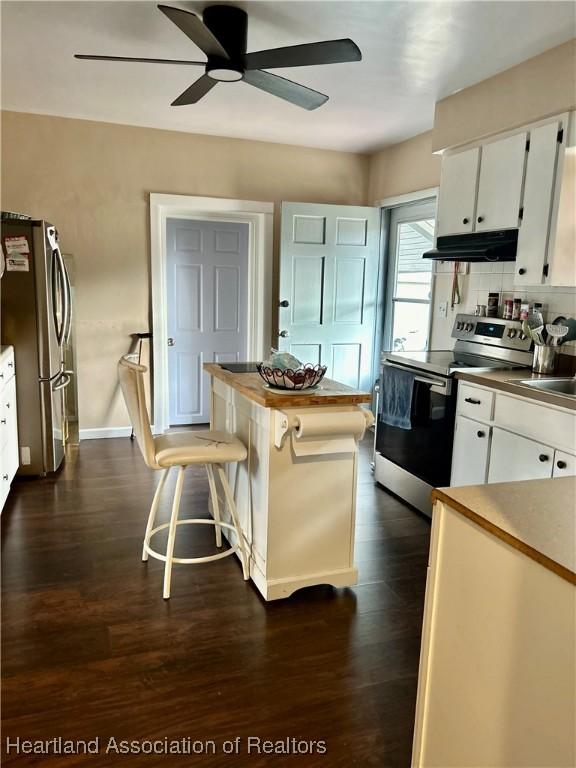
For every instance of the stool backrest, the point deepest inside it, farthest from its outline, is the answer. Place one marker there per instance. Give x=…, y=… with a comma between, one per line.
x=131, y=376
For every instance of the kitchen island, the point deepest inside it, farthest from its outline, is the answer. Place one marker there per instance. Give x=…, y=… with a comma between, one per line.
x=296, y=491
x=498, y=658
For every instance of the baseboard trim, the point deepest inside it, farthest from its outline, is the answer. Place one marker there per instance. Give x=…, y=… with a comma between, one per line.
x=99, y=433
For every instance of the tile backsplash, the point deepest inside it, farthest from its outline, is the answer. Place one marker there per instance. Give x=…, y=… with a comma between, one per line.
x=474, y=288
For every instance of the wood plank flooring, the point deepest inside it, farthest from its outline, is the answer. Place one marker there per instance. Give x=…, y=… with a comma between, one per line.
x=90, y=649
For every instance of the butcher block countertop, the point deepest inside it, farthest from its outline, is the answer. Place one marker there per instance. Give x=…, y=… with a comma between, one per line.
x=505, y=380
x=534, y=516
x=253, y=387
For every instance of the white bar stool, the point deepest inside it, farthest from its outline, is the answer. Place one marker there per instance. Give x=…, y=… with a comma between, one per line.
x=180, y=449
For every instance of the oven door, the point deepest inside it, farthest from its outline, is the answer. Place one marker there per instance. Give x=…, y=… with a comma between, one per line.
x=424, y=450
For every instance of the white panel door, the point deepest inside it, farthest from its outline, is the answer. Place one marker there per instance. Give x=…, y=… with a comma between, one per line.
x=500, y=183
x=513, y=457
x=207, y=297
x=470, y=452
x=329, y=257
x=457, y=196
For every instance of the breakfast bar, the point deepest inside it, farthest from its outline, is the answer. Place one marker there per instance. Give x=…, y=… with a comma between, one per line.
x=296, y=491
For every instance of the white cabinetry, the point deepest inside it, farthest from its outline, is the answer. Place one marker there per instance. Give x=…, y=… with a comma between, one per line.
x=8, y=424
x=481, y=188
x=564, y=464
x=457, y=196
x=523, y=180
x=513, y=457
x=523, y=440
x=538, y=198
x=500, y=185
x=471, y=450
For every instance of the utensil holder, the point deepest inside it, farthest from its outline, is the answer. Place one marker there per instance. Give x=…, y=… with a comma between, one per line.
x=544, y=359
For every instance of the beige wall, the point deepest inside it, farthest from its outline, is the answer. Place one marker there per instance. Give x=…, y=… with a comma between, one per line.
x=539, y=87
x=405, y=167
x=93, y=180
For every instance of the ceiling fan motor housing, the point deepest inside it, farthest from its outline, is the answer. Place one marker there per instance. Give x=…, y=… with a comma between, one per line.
x=230, y=26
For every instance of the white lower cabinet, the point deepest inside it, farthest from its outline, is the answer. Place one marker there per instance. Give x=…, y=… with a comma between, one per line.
x=471, y=450
x=8, y=424
x=564, y=464
x=513, y=457
x=522, y=440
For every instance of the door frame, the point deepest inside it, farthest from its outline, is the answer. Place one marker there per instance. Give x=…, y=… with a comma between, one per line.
x=259, y=217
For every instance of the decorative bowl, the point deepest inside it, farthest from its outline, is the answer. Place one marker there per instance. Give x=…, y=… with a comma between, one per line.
x=302, y=378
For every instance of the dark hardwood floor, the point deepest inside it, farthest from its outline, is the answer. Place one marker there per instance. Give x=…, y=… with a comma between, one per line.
x=90, y=649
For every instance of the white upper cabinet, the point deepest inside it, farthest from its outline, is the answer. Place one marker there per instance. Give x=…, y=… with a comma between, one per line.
x=500, y=184
x=534, y=234
x=457, y=197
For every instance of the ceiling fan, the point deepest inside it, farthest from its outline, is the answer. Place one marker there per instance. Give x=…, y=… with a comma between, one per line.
x=222, y=36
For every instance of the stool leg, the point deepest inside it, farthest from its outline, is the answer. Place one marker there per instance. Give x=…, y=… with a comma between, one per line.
x=172, y=532
x=239, y=534
x=153, y=510
x=215, y=504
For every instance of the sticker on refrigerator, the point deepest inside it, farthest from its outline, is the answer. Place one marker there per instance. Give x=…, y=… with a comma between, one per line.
x=16, y=245
x=17, y=263
x=17, y=254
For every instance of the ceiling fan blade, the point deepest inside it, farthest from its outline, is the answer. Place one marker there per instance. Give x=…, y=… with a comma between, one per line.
x=285, y=89
x=195, y=92
x=196, y=30
x=91, y=57
x=328, y=52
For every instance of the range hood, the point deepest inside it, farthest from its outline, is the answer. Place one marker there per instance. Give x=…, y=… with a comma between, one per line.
x=476, y=246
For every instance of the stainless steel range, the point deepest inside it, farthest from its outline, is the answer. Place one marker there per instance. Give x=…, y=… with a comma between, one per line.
x=410, y=462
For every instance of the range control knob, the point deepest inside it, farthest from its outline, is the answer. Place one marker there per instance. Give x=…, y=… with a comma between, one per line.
x=522, y=336
x=469, y=326
x=459, y=325
x=511, y=333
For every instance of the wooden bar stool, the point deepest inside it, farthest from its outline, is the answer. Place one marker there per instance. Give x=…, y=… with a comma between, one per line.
x=180, y=449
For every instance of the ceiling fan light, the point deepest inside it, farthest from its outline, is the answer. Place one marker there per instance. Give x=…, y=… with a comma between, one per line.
x=224, y=74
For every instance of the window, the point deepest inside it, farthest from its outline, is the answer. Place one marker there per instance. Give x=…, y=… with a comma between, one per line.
x=411, y=233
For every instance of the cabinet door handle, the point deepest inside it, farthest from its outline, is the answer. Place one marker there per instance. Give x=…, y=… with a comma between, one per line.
x=480, y=219
x=561, y=464
x=480, y=433
x=2, y=421
x=471, y=400
x=543, y=457
x=521, y=271
x=465, y=221
x=4, y=477
x=284, y=303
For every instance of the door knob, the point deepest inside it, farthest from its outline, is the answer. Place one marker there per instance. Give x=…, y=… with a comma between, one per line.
x=170, y=342
x=284, y=303
x=284, y=334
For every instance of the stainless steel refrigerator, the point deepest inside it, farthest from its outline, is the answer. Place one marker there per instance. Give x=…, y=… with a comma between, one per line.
x=36, y=319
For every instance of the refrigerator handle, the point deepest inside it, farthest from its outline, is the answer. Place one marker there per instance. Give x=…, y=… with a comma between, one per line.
x=61, y=382
x=62, y=277
x=68, y=292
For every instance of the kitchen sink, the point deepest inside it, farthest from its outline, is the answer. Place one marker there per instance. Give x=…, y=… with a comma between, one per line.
x=565, y=386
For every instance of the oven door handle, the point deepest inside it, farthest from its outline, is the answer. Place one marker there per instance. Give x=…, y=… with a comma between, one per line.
x=442, y=386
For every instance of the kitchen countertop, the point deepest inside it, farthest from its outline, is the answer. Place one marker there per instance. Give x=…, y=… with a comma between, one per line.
x=253, y=387
x=504, y=380
x=534, y=516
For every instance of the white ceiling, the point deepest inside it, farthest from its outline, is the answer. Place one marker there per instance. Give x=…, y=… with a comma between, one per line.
x=414, y=53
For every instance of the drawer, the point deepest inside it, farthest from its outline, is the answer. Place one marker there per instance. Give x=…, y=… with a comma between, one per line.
x=474, y=402
x=564, y=464
x=540, y=422
x=7, y=367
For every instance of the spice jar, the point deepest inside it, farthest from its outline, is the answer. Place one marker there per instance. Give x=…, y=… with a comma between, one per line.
x=492, y=307
x=508, y=309
x=517, y=306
